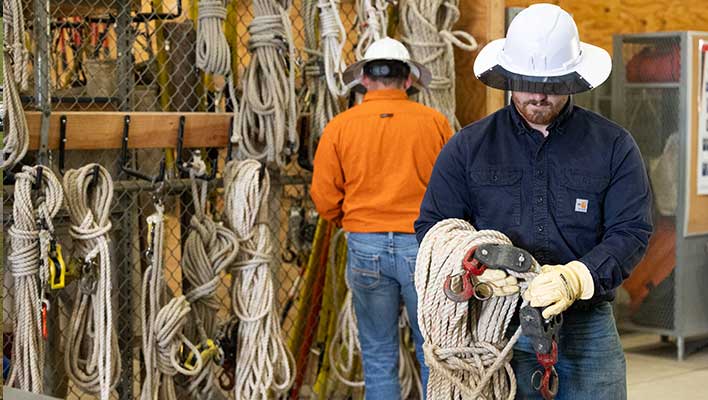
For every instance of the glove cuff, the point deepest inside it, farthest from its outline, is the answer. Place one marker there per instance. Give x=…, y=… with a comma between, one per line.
x=582, y=274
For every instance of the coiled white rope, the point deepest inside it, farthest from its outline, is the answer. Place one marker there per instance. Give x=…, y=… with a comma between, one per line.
x=15, y=72
x=464, y=363
x=29, y=266
x=162, y=326
x=333, y=37
x=265, y=366
x=426, y=27
x=213, y=51
x=91, y=328
x=372, y=18
x=266, y=126
x=208, y=250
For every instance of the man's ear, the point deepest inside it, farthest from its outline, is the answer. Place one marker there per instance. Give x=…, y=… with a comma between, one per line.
x=409, y=82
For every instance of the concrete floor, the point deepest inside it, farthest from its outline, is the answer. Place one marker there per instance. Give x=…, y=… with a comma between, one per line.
x=654, y=373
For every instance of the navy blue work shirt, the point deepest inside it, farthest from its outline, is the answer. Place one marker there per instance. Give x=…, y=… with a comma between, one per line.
x=582, y=193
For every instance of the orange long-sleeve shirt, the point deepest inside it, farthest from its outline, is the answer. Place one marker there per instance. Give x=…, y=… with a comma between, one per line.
x=374, y=160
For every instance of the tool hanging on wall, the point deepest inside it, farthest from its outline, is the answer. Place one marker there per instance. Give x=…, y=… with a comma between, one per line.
x=37, y=199
x=267, y=117
x=265, y=365
x=92, y=359
x=426, y=27
x=465, y=344
x=208, y=250
x=166, y=350
x=15, y=78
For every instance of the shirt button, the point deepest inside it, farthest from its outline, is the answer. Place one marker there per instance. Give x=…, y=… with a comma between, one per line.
x=539, y=172
x=540, y=228
x=539, y=199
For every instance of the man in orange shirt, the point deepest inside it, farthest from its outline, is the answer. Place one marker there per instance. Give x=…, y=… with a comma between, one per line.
x=371, y=170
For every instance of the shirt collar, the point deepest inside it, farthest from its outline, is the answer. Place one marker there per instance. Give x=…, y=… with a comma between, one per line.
x=386, y=94
x=557, y=123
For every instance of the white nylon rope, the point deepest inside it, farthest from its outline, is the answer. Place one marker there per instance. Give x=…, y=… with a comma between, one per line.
x=426, y=27
x=266, y=126
x=15, y=56
x=213, y=51
x=265, y=366
x=91, y=326
x=372, y=18
x=162, y=326
x=29, y=266
x=464, y=363
x=208, y=250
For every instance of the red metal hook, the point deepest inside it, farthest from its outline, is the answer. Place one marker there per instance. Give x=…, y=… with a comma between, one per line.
x=472, y=266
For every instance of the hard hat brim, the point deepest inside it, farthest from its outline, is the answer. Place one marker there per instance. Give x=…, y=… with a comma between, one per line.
x=592, y=70
x=421, y=74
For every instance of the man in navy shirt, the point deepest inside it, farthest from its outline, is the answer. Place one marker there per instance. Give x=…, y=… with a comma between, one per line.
x=562, y=182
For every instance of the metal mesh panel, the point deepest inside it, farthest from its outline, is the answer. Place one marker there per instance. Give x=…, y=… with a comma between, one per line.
x=133, y=55
x=648, y=105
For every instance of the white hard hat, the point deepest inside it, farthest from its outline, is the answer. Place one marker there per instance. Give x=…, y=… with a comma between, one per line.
x=542, y=53
x=388, y=49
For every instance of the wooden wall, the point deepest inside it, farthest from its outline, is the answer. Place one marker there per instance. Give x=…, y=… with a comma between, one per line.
x=598, y=20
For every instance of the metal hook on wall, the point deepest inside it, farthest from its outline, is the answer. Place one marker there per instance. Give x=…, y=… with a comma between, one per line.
x=184, y=166
x=160, y=177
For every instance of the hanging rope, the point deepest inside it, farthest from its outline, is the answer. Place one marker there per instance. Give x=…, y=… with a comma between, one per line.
x=265, y=365
x=426, y=26
x=31, y=237
x=162, y=326
x=88, y=198
x=464, y=363
x=266, y=127
x=15, y=72
x=208, y=250
x=333, y=37
x=213, y=51
x=372, y=18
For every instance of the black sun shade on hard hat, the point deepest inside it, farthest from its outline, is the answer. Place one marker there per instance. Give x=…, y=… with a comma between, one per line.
x=500, y=78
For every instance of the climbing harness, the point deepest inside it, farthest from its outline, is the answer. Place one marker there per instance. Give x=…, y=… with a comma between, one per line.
x=31, y=239
x=266, y=125
x=208, y=250
x=426, y=27
x=265, y=365
x=15, y=72
x=92, y=359
x=465, y=344
x=165, y=347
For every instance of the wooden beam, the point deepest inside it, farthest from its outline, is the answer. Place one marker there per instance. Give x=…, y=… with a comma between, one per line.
x=104, y=130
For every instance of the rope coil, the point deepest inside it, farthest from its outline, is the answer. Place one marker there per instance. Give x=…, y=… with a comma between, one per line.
x=30, y=236
x=465, y=347
x=91, y=324
x=15, y=57
x=426, y=27
x=266, y=127
x=265, y=365
x=162, y=326
x=208, y=250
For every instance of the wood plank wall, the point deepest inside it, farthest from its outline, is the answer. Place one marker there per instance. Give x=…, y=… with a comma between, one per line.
x=598, y=20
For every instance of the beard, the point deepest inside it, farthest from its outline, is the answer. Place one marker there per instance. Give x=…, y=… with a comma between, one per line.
x=540, y=112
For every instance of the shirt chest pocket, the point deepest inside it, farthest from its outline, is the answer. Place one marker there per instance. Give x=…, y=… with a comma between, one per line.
x=496, y=194
x=581, y=198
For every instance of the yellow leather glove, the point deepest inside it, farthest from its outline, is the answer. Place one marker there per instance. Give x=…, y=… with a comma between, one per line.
x=499, y=281
x=559, y=286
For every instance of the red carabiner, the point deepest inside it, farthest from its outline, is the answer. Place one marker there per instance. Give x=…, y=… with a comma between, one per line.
x=471, y=264
x=549, y=382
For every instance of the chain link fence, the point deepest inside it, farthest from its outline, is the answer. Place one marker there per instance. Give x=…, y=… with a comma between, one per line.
x=139, y=55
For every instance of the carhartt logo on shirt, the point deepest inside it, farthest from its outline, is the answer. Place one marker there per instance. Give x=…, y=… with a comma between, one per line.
x=581, y=205
x=387, y=115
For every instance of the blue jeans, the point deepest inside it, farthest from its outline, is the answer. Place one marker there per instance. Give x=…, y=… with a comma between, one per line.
x=380, y=270
x=591, y=362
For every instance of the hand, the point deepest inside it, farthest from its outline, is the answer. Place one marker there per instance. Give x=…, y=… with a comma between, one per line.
x=559, y=286
x=499, y=281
